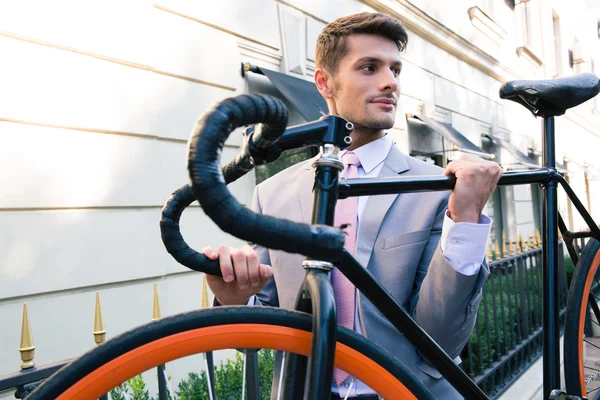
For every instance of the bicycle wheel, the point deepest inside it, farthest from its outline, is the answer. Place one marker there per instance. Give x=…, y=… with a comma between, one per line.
x=142, y=348
x=581, y=343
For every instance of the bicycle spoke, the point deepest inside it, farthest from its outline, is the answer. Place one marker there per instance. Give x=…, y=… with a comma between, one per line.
x=593, y=390
x=593, y=321
x=591, y=344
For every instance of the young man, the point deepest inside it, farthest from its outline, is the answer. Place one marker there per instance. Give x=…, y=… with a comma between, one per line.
x=427, y=249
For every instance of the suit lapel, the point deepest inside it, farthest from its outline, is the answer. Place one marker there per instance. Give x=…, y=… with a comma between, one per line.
x=305, y=190
x=377, y=207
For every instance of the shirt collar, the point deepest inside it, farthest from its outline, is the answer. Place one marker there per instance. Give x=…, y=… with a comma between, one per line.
x=372, y=154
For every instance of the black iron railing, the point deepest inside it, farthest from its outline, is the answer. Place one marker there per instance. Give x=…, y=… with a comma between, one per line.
x=507, y=337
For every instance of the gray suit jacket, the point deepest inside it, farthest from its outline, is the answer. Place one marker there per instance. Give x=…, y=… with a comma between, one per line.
x=398, y=241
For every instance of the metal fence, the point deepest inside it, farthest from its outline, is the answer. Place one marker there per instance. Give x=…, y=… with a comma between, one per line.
x=507, y=337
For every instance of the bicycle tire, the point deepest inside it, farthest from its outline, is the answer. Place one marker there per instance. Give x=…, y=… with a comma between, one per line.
x=133, y=352
x=585, y=274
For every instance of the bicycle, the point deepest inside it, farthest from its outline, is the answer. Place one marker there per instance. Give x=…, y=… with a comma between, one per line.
x=309, y=335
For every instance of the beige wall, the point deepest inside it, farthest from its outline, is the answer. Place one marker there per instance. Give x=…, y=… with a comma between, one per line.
x=96, y=105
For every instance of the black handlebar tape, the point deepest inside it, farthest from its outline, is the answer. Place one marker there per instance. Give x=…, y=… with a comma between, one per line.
x=173, y=240
x=208, y=184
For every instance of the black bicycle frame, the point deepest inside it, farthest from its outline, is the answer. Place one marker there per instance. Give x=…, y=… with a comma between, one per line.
x=316, y=294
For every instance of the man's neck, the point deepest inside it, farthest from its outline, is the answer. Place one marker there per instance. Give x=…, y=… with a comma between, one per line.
x=361, y=137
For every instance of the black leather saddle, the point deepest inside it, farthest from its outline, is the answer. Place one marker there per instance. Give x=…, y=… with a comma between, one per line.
x=552, y=97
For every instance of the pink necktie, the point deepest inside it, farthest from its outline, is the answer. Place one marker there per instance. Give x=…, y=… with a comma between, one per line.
x=346, y=212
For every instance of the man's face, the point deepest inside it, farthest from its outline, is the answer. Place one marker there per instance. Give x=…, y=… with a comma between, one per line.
x=367, y=82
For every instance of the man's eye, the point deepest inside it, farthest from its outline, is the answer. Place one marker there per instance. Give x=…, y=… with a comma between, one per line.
x=368, y=68
x=396, y=72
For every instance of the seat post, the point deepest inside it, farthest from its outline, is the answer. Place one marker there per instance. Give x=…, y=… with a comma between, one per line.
x=551, y=357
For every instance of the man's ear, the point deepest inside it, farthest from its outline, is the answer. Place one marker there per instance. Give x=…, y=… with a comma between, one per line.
x=324, y=82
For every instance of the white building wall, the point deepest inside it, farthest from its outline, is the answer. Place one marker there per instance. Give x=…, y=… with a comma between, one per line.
x=96, y=106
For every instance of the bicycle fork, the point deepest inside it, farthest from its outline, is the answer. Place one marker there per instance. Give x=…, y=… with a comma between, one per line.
x=311, y=378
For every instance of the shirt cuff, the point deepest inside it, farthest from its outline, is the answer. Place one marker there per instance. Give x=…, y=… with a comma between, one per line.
x=464, y=244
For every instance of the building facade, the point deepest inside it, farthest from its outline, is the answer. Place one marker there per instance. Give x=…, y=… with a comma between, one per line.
x=97, y=100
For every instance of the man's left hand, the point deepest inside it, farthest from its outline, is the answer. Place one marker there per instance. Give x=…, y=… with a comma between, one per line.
x=476, y=180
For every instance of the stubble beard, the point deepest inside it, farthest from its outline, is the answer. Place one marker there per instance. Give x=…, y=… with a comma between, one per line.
x=369, y=123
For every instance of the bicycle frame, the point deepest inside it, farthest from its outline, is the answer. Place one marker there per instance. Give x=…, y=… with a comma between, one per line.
x=316, y=293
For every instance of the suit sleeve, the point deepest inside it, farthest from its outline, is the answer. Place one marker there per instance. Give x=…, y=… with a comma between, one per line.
x=268, y=294
x=445, y=302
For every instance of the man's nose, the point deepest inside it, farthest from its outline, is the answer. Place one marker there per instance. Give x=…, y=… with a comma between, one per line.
x=388, y=82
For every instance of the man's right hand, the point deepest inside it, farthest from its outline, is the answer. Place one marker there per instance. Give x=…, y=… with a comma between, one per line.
x=243, y=274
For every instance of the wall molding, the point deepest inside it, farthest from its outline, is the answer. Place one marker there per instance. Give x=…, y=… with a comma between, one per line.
x=486, y=25
x=263, y=53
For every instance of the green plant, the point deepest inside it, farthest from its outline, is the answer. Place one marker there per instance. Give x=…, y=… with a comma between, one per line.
x=569, y=268
x=133, y=389
x=229, y=379
x=510, y=311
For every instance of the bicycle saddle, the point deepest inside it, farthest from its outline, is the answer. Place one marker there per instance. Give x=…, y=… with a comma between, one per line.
x=552, y=97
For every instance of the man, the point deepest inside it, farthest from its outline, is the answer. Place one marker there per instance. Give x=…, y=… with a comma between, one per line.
x=396, y=236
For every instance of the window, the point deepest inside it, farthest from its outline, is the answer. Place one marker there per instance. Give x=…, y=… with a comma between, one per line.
x=557, y=46
x=596, y=105
x=576, y=58
x=483, y=17
x=528, y=25
x=487, y=6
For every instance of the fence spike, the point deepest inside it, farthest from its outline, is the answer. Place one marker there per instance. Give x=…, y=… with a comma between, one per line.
x=27, y=347
x=204, y=302
x=532, y=243
x=538, y=238
x=518, y=246
x=497, y=255
x=504, y=251
x=523, y=243
x=99, y=331
x=489, y=252
x=156, y=310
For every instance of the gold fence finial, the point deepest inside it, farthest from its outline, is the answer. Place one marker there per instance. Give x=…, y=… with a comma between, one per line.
x=531, y=243
x=204, y=302
x=538, y=238
x=99, y=331
x=489, y=251
x=27, y=347
x=156, y=309
x=518, y=245
x=497, y=257
x=504, y=252
x=523, y=243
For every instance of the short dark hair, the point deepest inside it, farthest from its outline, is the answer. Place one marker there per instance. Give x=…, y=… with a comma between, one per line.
x=332, y=44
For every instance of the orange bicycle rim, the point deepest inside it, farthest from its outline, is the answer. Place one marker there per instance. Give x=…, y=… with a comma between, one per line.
x=253, y=336
x=584, y=303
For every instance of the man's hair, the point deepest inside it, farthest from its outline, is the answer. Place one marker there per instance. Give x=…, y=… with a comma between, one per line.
x=332, y=42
